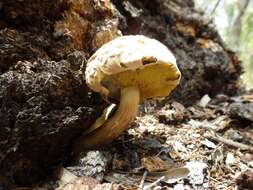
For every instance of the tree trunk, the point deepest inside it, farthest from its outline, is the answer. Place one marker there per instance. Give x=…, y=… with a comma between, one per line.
x=44, y=102
x=236, y=26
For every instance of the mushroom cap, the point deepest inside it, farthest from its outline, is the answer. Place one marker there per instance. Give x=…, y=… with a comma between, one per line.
x=133, y=60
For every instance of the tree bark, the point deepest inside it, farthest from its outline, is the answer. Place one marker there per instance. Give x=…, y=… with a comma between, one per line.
x=44, y=102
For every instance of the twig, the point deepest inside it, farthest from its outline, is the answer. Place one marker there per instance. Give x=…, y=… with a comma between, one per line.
x=215, y=7
x=154, y=183
x=213, y=11
x=143, y=180
x=230, y=142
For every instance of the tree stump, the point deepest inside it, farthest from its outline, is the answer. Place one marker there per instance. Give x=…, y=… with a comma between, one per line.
x=44, y=101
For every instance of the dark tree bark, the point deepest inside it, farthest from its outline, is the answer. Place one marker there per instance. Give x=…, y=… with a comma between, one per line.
x=44, y=102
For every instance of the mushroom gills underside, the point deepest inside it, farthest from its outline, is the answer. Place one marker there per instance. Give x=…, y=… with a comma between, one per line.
x=153, y=80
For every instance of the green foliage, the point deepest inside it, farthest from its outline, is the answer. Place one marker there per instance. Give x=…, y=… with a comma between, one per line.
x=230, y=12
x=246, y=47
x=227, y=11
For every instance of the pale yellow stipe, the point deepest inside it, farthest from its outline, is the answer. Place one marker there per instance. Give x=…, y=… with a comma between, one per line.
x=112, y=128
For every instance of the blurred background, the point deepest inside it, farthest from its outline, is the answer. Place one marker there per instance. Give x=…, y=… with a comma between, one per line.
x=234, y=20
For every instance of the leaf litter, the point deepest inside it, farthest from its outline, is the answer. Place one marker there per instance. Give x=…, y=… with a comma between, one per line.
x=208, y=145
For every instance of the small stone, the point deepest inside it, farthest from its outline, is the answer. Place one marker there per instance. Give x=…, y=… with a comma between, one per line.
x=196, y=175
x=179, y=187
x=208, y=144
x=93, y=164
x=230, y=159
x=241, y=110
x=204, y=101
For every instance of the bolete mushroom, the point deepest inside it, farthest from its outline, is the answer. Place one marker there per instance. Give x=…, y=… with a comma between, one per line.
x=127, y=70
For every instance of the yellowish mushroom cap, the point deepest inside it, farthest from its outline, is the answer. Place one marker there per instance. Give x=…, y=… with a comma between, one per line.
x=133, y=60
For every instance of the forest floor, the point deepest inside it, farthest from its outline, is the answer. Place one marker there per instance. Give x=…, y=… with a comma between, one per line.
x=205, y=146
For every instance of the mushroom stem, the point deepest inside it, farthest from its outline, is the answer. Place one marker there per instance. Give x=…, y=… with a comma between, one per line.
x=126, y=112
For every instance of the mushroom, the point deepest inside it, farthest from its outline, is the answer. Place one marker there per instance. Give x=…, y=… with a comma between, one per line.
x=127, y=70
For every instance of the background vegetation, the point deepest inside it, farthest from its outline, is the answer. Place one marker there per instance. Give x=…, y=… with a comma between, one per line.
x=234, y=19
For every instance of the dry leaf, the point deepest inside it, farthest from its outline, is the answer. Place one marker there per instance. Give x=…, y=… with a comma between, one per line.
x=154, y=164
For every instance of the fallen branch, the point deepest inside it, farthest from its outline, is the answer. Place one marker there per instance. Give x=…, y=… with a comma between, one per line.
x=215, y=7
x=230, y=142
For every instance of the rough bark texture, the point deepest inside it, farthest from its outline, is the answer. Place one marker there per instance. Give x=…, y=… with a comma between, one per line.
x=44, y=102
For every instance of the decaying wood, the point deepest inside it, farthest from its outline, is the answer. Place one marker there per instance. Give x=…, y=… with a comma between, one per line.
x=44, y=102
